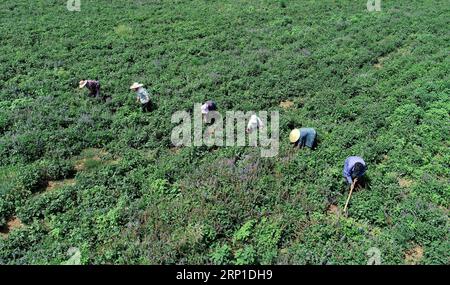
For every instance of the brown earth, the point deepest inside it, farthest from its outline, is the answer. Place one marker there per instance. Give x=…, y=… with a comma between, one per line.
x=96, y=154
x=414, y=255
x=333, y=209
x=175, y=149
x=53, y=185
x=12, y=224
x=404, y=183
x=286, y=104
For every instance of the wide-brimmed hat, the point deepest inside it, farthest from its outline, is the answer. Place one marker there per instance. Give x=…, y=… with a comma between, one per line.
x=294, y=135
x=83, y=83
x=136, y=85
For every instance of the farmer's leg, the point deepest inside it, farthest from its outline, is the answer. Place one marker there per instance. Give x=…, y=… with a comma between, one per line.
x=315, y=142
x=145, y=108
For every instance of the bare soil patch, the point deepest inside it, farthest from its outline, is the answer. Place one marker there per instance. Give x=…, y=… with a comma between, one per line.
x=12, y=224
x=286, y=104
x=414, y=255
x=404, y=183
x=53, y=185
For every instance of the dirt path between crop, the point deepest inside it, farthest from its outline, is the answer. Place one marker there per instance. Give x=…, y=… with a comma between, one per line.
x=286, y=104
x=333, y=210
x=404, y=183
x=53, y=185
x=93, y=155
x=414, y=255
x=12, y=224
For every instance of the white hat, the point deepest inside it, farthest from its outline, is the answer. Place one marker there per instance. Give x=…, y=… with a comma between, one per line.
x=83, y=83
x=136, y=85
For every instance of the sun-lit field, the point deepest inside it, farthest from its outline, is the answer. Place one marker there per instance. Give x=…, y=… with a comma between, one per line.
x=103, y=179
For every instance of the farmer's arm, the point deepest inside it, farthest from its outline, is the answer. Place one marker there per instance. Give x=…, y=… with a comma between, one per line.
x=349, y=179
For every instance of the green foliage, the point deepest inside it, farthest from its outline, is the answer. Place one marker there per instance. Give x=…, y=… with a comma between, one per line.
x=263, y=236
x=244, y=232
x=221, y=255
x=161, y=188
x=56, y=169
x=245, y=255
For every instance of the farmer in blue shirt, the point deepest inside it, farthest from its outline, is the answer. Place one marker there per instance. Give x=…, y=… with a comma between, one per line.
x=354, y=168
x=303, y=137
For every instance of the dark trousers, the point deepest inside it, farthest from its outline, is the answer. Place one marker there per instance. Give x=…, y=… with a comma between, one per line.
x=302, y=143
x=146, y=107
x=98, y=97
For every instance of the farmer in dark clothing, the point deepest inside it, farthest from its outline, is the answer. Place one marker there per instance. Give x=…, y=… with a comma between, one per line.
x=92, y=85
x=303, y=137
x=354, y=169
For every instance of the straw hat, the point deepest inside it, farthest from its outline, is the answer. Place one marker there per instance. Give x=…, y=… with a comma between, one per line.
x=294, y=135
x=83, y=83
x=136, y=85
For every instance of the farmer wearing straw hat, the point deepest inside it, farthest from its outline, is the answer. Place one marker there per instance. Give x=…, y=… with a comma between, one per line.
x=303, y=137
x=92, y=85
x=142, y=96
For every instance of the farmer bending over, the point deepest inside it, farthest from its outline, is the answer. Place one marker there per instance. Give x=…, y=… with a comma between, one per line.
x=354, y=169
x=253, y=124
x=303, y=137
x=142, y=96
x=208, y=107
x=92, y=85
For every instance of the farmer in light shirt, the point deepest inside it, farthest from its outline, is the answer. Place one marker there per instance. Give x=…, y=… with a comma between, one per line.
x=303, y=137
x=254, y=123
x=92, y=85
x=208, y=107
x=142, y=96
x=354, y=169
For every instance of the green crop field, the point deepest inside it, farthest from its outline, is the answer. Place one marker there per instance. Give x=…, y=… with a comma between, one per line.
x=103, y=179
